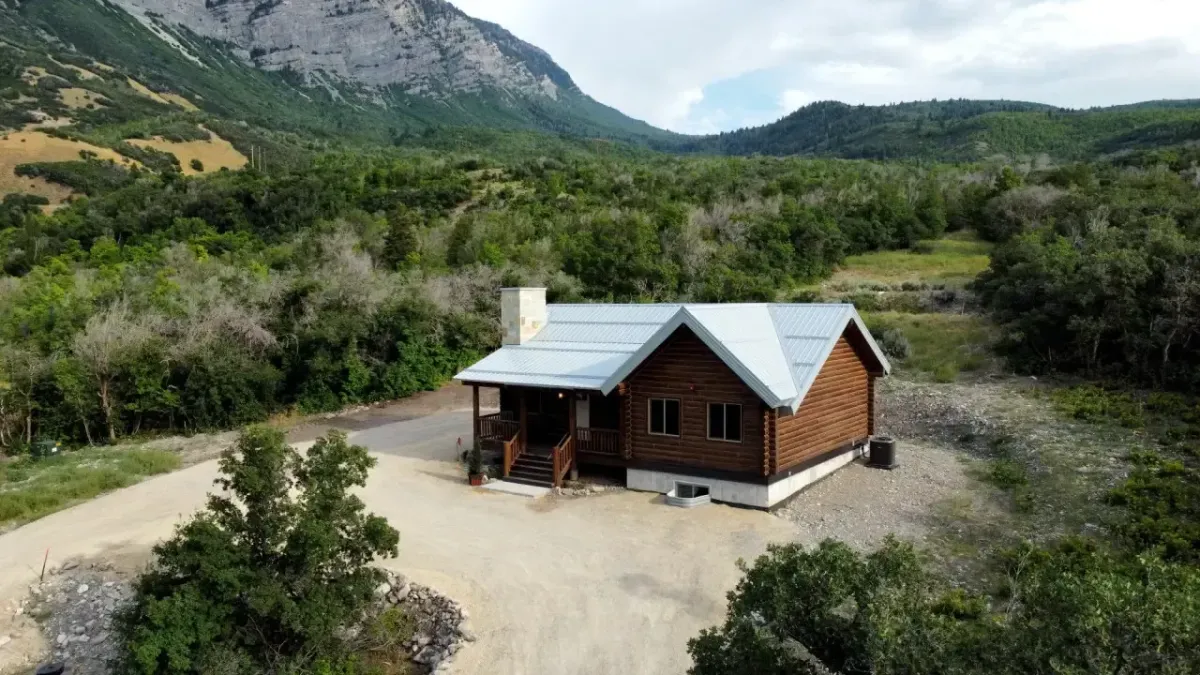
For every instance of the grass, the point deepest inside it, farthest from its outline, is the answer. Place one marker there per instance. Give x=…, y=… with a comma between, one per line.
x=32, y=489
x=952, y=261
x=943, y=345
x=76, y=97
x=24, y=147
x=382, y=643
x=214, y=154
x=1092, y=403
x=1007, y=470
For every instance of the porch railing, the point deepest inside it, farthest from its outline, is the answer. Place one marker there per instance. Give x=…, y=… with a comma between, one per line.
x=599, y=441
x=496, y=427
x=512, y=450
x=564, y=457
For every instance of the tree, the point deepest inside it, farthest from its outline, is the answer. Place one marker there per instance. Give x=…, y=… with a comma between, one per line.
x=110, y=338
x=20, y=371
x=402, y=244
x=801, y=611
x=268, y=580
x=1074, y=608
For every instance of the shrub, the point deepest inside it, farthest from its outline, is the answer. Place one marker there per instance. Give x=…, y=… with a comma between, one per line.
x=474, y=460
x=1162, y=499
x=197, y=165
x=1007, y=474
x=1092, y=403
x=382, y=642
x=266, y=580
x=945, y=373
x=1073, y=608
x=893, y=343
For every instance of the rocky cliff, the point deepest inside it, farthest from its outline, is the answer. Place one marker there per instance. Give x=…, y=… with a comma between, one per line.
x=425, y=47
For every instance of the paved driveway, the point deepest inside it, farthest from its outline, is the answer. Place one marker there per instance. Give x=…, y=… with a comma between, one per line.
x=615, y=583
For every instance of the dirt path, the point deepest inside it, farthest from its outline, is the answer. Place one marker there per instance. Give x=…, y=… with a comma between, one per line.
x=615, y=583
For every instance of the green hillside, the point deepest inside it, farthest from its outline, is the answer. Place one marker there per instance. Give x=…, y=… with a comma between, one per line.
x=959, y=130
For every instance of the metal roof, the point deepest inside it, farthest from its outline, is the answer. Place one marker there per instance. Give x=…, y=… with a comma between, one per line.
x=776, y=349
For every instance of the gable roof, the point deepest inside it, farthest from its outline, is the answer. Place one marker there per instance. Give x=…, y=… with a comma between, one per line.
x=776, y=349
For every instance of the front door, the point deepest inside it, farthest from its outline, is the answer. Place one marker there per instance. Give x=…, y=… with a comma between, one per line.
x=549, y=415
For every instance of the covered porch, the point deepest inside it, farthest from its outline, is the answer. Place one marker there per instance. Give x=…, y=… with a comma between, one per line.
x=542, y=434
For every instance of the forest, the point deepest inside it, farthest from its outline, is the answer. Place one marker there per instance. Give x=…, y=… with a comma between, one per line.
x=165, y=302
x=173, y=303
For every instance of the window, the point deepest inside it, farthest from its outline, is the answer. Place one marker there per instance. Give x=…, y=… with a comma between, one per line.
x=664, y=417
x=725, y=422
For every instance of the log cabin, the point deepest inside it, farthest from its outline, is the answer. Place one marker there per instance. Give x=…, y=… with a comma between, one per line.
x=752, y=401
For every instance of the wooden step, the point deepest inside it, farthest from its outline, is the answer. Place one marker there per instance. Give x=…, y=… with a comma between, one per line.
x=534, y=461
x=543, y=476
x=528, y=481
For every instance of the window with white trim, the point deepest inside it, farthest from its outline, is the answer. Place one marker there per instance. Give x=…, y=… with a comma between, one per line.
x=664, y=416
x=725, y=422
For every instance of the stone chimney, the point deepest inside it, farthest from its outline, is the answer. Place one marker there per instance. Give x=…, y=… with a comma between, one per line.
x=522, y=313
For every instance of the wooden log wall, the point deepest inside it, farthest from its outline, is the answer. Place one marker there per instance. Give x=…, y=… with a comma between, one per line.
x=837, y=410
x=685, y=369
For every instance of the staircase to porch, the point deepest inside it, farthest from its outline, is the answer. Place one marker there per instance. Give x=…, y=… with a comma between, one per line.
x=535, y=466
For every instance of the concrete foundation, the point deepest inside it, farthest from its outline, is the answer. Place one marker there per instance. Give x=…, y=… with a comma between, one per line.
x=745, y=494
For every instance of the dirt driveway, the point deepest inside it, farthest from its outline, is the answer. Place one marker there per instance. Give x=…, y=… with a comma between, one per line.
x=615, y=583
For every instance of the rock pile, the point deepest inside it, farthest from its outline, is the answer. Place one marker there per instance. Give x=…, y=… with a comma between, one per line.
x=586, y=488
x=441, y=623
x=77, y=603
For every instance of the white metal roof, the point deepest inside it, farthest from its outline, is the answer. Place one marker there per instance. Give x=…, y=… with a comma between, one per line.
x=777, y=350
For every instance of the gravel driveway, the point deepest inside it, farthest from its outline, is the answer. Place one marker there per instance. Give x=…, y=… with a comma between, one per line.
x=615, y=583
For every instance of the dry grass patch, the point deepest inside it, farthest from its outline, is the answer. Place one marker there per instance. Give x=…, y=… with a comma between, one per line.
x=24, y=147
x=47, y=122
x=32, y=74
x=83, y=73
x=146, y=91
x=181, y=102
x=103, y=66
x=76, y=97
x=165, y=99
x=214, y=154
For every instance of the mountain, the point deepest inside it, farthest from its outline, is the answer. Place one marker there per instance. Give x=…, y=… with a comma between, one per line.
x=958, y=130
x=366, y=67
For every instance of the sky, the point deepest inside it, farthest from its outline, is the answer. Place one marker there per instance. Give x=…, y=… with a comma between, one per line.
x=703, y=66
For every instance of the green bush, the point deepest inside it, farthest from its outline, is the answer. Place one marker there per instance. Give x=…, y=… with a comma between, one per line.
x=893, y=343
x=197, y=165
x=1162, y=502
x=89, y=176
x=1072, y=608
x=946, y=373
x=268, y=579
x=1007, y=474
x=1092, y=403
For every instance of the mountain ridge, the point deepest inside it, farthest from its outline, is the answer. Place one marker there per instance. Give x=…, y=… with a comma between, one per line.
x=422, y=62
x=956, y=130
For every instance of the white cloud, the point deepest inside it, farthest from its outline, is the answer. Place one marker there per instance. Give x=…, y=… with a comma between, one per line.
x=792, y=99
x=653, y=59
x=676, y=112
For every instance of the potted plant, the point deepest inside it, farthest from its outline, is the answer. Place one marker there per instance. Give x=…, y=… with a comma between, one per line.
x=475, y=466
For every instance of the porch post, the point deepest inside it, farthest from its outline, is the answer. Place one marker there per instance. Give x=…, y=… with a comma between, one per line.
x=523, y=437
x=475, y=418
x=571, y=433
